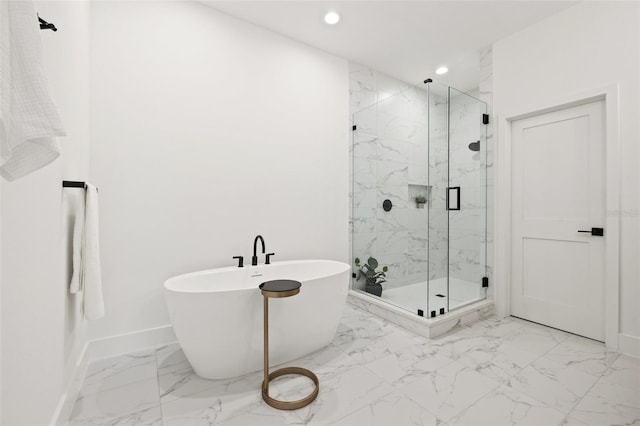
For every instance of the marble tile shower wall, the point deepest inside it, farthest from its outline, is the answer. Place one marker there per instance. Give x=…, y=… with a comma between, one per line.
x=390, y=154
x=437, y=243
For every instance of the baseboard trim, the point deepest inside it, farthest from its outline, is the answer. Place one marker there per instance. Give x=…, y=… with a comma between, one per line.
x=628, y=344
x=67, y=400
x=130, y=342
x=105, y=348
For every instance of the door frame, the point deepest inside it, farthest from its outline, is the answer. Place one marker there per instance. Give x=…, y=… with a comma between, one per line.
x=502, y=218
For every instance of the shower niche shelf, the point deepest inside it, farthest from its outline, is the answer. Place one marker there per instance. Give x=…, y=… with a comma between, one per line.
x=416, y=190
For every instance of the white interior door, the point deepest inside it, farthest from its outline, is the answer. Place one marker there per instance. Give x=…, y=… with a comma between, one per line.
x=557, y=273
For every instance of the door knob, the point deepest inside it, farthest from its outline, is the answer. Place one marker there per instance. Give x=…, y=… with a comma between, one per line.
x=599, y=232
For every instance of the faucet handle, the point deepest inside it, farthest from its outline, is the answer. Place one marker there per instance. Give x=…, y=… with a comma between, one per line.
x=240, y=261
x=268, y=261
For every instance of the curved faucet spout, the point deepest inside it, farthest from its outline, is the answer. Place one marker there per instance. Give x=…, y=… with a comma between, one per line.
x=254, y=259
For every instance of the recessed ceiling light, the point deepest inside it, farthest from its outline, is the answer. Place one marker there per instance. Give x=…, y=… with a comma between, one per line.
x=331, y=18
x=442, y=70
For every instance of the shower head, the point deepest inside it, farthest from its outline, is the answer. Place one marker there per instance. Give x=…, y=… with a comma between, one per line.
x=474, y=146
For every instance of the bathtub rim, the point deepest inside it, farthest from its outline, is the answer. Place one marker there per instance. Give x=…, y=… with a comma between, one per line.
x=214, y=271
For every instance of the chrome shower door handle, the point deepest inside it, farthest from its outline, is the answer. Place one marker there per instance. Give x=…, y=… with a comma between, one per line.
x=453, y=203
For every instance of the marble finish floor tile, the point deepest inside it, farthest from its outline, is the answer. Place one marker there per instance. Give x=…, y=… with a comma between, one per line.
x=111, y=373
x=625, y=372
x=587, y=355
x=183, y=381
x=449, y=390
x=494, y=372
x=491, y=363
x=338, y=397
x=366, y=339
x=553, y=383
x=265, y=416
x=392, y=409
x=170, y=358
x=608, y=404
x=558, y=335
x=410, y=363
x=506, y=406
x=133, y=403
x=572, y=421
x=501, y=348
x=325, y=363
x=222, y=400
x=496, y=327
x=151, y=416
x=529, y=343
x=368, y=350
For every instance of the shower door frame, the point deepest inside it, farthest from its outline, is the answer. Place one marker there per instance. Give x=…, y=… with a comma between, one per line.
x=483, y=167
x=427, y=306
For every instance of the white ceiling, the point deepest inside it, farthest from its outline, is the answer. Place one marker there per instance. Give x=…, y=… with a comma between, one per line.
x=406, y=39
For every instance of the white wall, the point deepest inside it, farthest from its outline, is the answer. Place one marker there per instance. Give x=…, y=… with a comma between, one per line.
x=207, y=131
x=588, y=46
x=42, y=333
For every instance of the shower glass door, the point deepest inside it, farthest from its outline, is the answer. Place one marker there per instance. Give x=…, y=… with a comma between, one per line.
x=419, y=199
x=389, y=172
x=467, y=193
x=438, y=224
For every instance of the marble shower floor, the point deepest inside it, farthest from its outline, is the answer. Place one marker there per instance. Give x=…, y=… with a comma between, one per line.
x=412, y=297
x=495, y=372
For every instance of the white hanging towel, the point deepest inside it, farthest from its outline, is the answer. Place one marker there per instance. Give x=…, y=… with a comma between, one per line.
x=87, y=276
x=29, y=119
x=78, y=240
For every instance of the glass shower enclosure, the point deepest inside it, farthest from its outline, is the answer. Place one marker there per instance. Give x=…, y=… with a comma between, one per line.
x=419, y=199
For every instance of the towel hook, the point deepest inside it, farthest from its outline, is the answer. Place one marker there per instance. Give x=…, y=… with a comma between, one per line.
x=74, y=184
x=44, y=25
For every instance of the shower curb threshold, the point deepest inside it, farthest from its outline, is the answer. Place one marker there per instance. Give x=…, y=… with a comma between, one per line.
x=430, y=328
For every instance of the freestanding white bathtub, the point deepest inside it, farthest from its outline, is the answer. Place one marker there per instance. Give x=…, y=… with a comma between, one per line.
x=217, y=314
